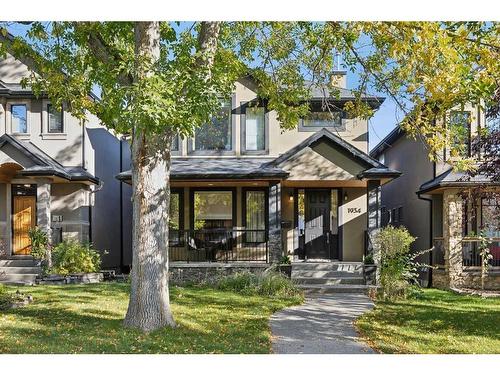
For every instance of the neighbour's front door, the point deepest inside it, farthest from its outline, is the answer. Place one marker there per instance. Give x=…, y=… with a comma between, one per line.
x=317, y=224
x=23, y=219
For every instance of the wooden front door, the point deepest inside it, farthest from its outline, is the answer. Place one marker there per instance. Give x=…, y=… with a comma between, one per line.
x=23, y=219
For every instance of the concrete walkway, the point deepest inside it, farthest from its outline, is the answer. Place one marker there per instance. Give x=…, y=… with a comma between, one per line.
x=322, y=325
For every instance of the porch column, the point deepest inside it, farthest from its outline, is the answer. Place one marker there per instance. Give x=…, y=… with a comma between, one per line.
x=43, y=206
x=452, y=234
x=274, y=241
x=373, y=198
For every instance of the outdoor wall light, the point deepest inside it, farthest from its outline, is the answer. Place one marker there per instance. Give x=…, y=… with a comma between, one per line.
x=346, y=197
x=290, y=197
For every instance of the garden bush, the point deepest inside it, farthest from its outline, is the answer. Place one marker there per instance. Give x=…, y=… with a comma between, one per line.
x=398, y=272
x=73, y=257
x=39, y=243
x=269, y=284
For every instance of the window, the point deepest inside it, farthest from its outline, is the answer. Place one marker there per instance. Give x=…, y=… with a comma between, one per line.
x=213, y=209
x=394, y=219
x=385, y=216
x=490, y=217
x=322, y=120
x=55, y=119
x=255, y=215
x=175, y=143
x=174, y=224
x=400, y=214
x=459, y=126
x=255, y=129
x=216, y=135
x=19, y=118
x=334, y=204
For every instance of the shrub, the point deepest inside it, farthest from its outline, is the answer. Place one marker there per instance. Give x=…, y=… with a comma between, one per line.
x=269, y=284
x=73, y=257
x=39, y=243
x=397, y=270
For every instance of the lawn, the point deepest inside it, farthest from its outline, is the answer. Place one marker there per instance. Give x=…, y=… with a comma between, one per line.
x=88, y=319
x=436, y=322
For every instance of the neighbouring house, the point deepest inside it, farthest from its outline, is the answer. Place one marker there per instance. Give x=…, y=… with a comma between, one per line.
x=244, y=190
x=56, y=172
x=426, y=200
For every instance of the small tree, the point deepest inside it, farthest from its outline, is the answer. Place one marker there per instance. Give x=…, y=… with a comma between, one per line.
x=397, y=270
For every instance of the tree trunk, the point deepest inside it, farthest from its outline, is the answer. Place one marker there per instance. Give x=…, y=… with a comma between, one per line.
x=149, y=305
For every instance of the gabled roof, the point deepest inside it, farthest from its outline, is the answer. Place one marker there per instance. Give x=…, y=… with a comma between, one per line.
x=374, y=169
x=452, y=179
x=44, y=165
x=387, y=142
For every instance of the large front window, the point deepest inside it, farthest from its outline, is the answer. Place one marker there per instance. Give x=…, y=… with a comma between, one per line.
x=174, y=223
x=216, y=135
x=490, y=217
x=19, y=118
x=213, y=210
x=255, y=129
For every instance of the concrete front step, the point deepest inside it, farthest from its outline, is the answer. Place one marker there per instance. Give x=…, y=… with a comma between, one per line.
x=20, y=270
x=18, y=278
x=17, y=263
x=331, y=289
x=330, y=280
x=327, y=274
x=332, y=266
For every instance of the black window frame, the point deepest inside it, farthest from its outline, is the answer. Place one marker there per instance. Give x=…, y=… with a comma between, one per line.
x=319, y=108
x=244, y=192
x=242, y=112
x=50, y=105
x=179, y=242
x=192, y=141
x=192, y=192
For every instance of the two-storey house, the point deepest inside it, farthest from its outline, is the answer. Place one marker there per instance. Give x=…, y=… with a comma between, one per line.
x=56, y=172
x=245, y=190
x=427, y=200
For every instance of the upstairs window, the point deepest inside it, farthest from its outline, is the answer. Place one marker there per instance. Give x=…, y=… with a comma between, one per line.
x=19, y=119
x=315, y=120
x=254, y=129
x=55, y=119
x=175, y=143
x=216, y=135
x=459, y=125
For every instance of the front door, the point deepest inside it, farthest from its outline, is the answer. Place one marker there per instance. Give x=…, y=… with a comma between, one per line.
x=317, y=224
x=23, y=219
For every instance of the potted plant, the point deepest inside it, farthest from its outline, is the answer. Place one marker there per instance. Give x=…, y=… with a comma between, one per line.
x=285, y=266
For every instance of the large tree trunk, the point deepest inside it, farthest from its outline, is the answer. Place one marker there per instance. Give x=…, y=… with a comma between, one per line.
x=149, y=306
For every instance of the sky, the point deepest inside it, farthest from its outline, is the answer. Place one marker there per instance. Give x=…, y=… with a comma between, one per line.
x=384, y=120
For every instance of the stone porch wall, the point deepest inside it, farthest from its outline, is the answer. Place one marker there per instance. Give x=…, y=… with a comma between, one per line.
x=200, y=273
x=455, y=275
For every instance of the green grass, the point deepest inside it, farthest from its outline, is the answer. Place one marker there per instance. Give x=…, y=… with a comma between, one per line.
x=436, y=322
x=88, y=319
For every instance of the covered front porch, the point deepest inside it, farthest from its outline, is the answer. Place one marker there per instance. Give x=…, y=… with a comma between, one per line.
x=35, y=190
x=461, y=229
x=316, y=202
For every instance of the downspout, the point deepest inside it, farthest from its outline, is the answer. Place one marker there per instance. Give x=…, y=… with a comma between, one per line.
x=430, y=234
x=121, y=207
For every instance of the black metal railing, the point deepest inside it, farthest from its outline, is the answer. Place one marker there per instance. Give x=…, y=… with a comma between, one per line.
x=218, y=245
x=471, y=253
x=438, y=252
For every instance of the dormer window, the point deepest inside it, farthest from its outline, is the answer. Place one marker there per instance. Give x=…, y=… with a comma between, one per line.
x=19, y=119
x=55, y=119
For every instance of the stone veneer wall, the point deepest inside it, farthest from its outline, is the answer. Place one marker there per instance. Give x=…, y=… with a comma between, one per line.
x=209, y=273
x=455, y=275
